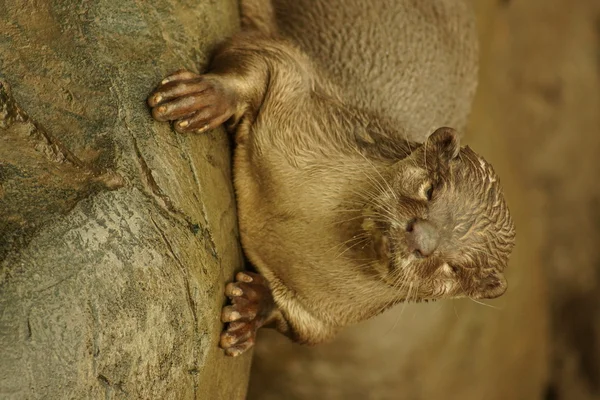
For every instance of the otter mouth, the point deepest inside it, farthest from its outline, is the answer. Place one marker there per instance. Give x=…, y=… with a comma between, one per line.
x=383, y=247
x=389, y=251
x=380, y=243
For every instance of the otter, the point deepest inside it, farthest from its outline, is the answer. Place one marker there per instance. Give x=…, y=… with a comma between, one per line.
x=352, y=195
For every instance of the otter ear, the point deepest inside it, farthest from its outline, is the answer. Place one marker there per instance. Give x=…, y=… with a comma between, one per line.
x=445, y=142
x=492, y=286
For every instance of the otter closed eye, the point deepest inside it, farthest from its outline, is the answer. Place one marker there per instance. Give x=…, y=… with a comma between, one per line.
x=429, y=192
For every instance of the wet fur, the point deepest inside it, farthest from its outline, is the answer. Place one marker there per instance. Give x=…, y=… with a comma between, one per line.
x=335, y=157
x=320, y=182
x=409, y=60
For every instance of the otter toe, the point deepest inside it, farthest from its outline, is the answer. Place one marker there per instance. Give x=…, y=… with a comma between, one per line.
x=251, y=307
x=197, y=103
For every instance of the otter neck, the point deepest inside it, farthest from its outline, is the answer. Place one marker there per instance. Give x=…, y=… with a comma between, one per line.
x=375, y=137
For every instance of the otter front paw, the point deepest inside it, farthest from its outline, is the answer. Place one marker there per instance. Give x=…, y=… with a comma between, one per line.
x=196, y=102
x=252, y=307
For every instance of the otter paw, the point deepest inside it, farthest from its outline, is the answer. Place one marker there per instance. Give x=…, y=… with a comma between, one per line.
x=195, y=102
x=252, y=307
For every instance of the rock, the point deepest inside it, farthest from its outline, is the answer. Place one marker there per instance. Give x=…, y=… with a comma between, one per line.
x=116, y=235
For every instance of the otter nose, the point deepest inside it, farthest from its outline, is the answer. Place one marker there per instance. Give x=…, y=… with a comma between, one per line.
x=423, y=237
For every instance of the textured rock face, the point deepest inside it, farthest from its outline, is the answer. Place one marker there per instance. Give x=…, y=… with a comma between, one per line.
x=116, y=235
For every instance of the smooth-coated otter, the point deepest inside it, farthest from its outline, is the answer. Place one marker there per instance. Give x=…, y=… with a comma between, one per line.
x=342, y=213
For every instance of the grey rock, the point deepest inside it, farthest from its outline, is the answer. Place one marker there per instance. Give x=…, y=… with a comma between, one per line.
x=116, y=235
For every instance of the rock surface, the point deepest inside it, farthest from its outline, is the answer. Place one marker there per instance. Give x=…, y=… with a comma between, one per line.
x=116, y=235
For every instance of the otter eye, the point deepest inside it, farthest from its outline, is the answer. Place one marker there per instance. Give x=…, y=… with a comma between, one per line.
x=429, y=192
x=426, y=191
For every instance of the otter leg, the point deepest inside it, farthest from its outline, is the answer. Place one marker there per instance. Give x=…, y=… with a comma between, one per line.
x=235, y=86
x=252, y=308
x=195, y=102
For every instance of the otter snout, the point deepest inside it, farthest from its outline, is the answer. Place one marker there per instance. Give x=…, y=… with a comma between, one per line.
x=422, y=237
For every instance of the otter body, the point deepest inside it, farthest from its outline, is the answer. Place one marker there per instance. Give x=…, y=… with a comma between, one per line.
x=343, y=210
x=415, y=61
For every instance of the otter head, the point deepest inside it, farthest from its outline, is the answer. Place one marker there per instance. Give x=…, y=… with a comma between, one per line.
x=440, y=224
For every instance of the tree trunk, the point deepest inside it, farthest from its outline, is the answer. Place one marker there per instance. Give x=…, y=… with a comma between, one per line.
x=116, y=234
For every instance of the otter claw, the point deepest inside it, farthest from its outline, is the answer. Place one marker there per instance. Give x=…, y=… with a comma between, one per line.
x=242, y=276
x=232, y=290
x=239, y=349
x=229, y=314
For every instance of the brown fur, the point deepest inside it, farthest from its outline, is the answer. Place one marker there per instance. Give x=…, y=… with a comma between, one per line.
x=410, y=60
x=331, y=169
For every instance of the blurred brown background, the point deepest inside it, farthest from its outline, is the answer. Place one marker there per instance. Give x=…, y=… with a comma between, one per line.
x=537, y=119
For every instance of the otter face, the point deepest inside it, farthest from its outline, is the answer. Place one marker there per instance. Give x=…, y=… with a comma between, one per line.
x=441, y=224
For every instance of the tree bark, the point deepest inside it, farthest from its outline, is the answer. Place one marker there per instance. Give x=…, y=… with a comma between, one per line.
x=116, y=234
